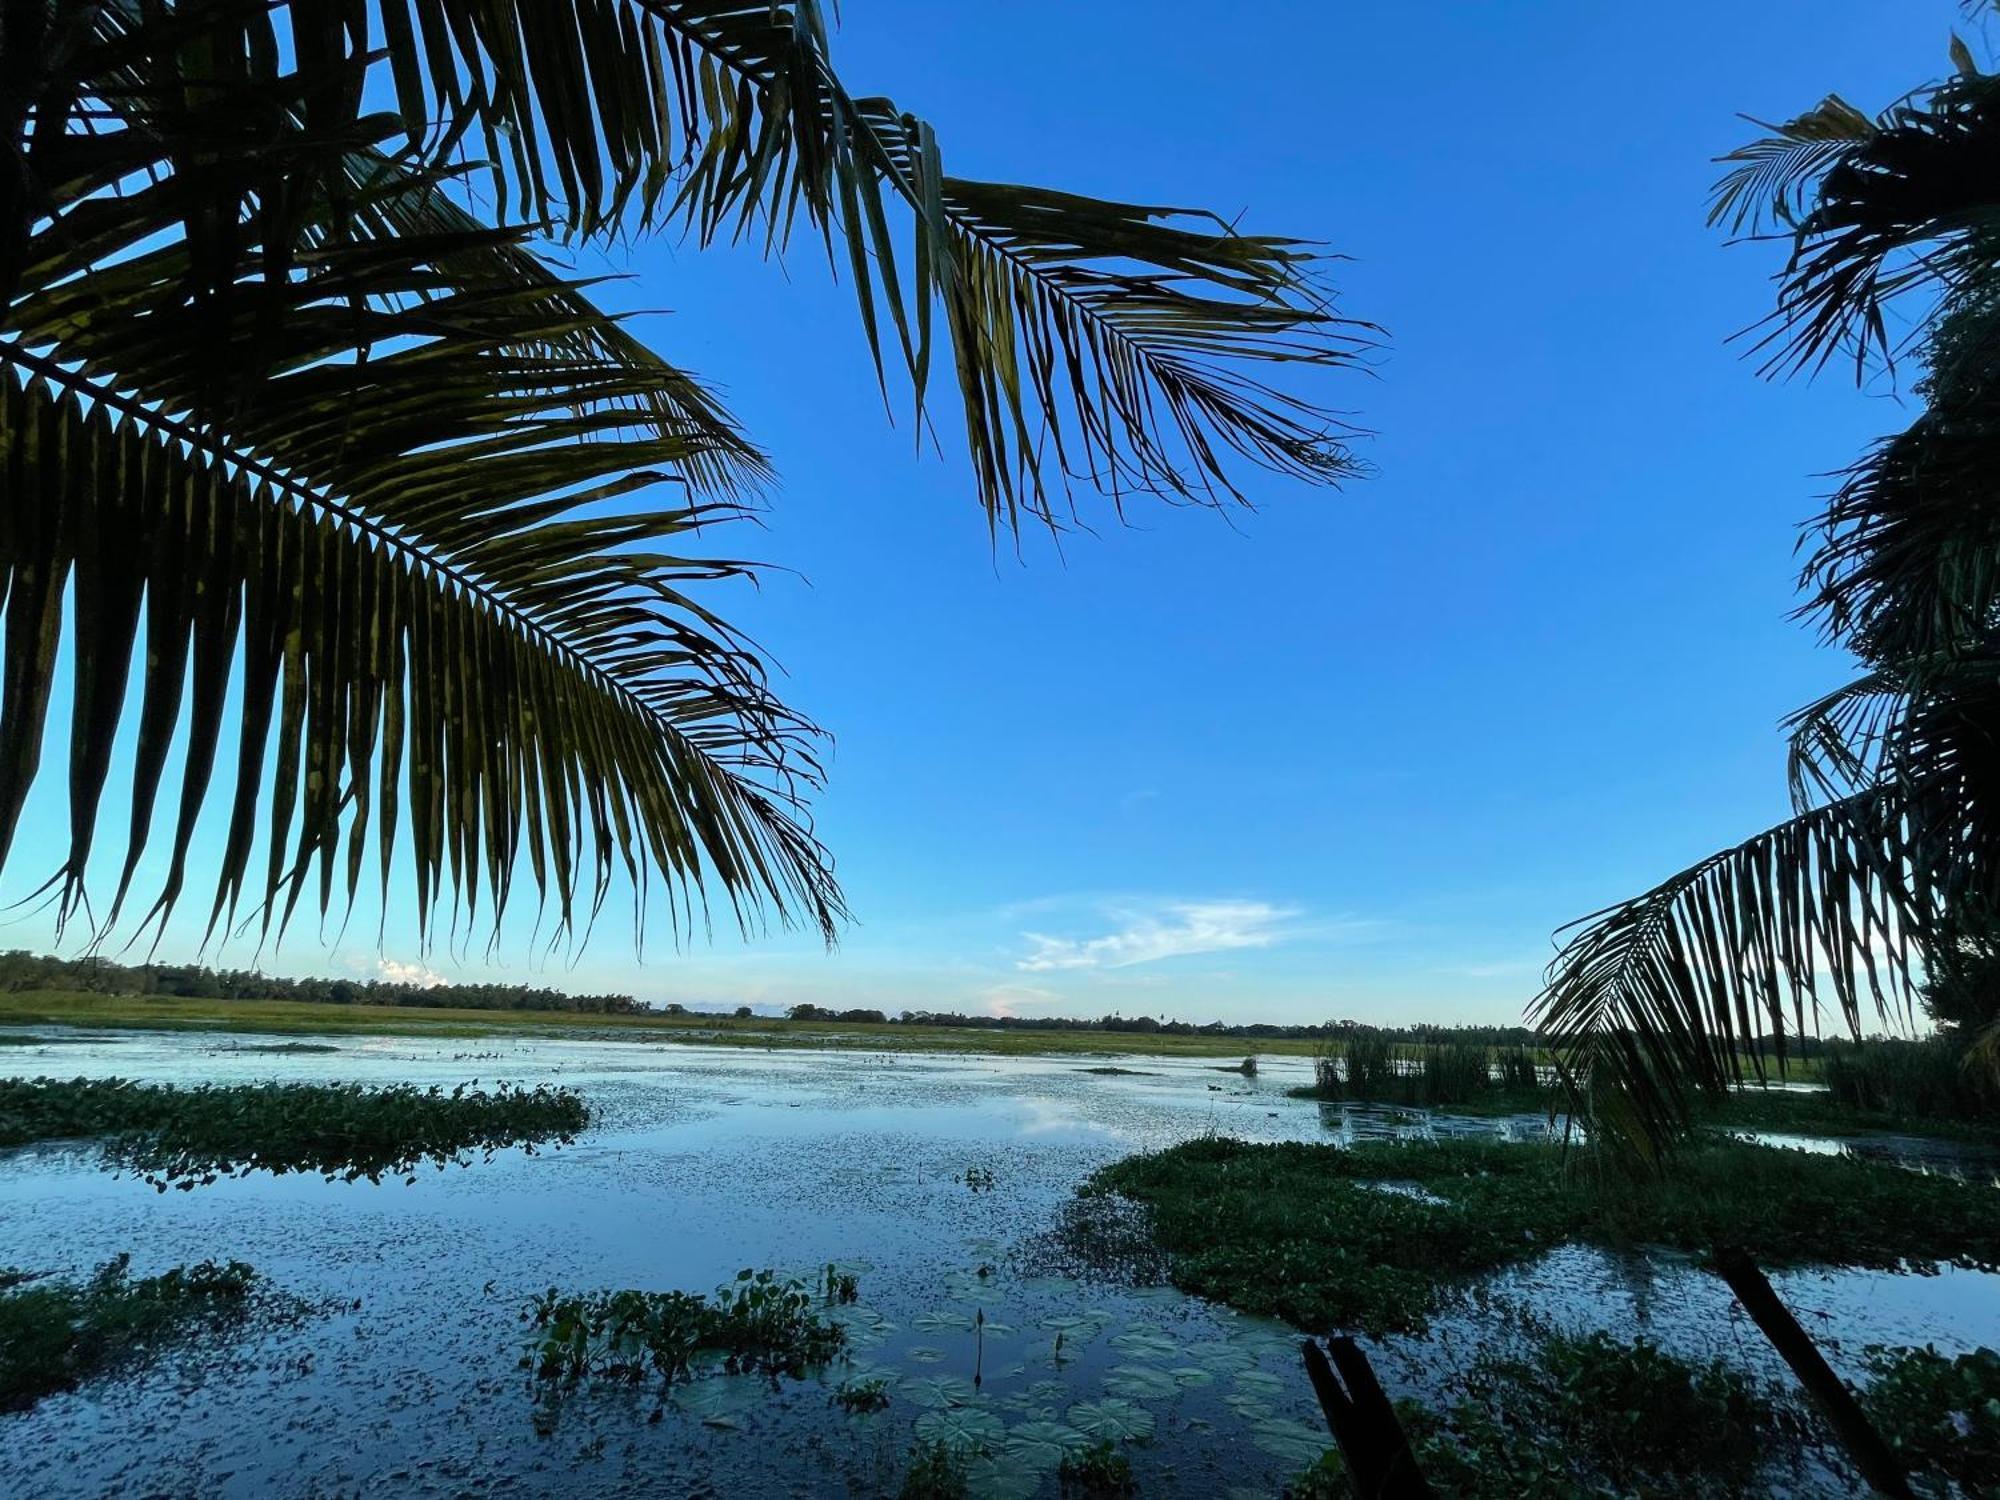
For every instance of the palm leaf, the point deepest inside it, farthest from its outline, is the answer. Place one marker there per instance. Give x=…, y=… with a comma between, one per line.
x=423, y=528
x=1653, y=1001
x=1092, y=341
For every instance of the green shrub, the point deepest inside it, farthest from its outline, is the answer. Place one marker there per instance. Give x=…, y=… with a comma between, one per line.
x=1915, y=1079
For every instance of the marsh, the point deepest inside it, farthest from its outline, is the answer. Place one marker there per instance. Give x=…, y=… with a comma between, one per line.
x=937, y=1182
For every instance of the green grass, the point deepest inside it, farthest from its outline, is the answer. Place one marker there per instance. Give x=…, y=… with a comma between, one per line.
x=1305, y=1232
x=293, y=1017
x=190, y=1136
x=54, y=1335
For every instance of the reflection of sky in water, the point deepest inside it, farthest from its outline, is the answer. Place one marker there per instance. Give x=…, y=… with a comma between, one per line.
x=705, y=1160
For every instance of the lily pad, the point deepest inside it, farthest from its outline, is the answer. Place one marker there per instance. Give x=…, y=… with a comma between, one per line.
x=963, y=1429
x=1292, y=1441
x=1040, y=1446
x=1140, y=1382
x=1261, y=1383
x=1146, y=1343
x=942, y=1322
x=939, y=1390
x=1220, y=1356
x=1042, y=1394
x=925, y=1354
x=1187, y=1377
x=998, y=1477
x=1111, y=1420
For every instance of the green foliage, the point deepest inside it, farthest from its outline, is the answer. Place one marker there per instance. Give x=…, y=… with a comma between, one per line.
x=1924, y=1079
x=1305, y=1233
x=1325, y=1478
x=936, y=1471
x=1372, y=1069
x=1099, y=1472
x=857, y=1397
x=755, y=1323
x=55, y=1335
x=1941, y=1415
x=191, y=1136
x=1593, y=1415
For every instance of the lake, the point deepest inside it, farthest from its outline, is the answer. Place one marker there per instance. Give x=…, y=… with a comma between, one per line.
x=937, y=1178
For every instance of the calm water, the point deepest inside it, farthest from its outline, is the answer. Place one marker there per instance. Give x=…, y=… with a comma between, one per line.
x=703, y=1161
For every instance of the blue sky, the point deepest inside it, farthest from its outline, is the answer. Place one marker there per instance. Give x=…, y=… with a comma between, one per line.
x=1359, y=753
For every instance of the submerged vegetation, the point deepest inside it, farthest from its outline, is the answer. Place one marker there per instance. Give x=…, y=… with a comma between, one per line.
x=755, y=1323
x=54, y=1335
x=1379, y=1236
x=190, y=1136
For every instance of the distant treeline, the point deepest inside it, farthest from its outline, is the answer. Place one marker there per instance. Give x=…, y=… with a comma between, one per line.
x=21, y=970
x=1327, y=1031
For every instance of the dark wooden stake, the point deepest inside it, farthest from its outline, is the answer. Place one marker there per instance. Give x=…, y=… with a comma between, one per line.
x=1363, y=1423
x=1871, y=1455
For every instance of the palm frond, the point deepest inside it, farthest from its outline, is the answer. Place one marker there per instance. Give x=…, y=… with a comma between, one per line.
x=1771, y=180
x=1835, y=744
x=1881, y=211
x=1103, y=343
x=1653, y=1001
x=1906, y=561
x=422, y=530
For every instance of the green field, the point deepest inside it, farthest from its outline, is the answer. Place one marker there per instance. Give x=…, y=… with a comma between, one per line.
x=294, y=1017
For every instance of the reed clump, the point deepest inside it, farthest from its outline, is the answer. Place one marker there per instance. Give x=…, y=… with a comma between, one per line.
x=1373, y=1070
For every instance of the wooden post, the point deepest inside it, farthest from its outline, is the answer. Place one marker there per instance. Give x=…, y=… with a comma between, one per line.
x=1871, y=1455
x=1363, y=1423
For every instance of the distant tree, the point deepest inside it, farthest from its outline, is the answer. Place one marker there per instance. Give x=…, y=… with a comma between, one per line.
x=744, y=1013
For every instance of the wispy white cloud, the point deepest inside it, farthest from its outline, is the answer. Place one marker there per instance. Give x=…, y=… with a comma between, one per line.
x=1173, y=930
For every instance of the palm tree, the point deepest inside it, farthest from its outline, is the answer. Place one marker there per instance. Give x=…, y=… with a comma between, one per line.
x=290, y=390
x=1887, y=869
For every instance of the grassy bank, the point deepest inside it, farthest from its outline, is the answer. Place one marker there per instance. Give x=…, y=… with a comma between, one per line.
x=1377, y=1237
x=187, y=1136
x=295, y=1017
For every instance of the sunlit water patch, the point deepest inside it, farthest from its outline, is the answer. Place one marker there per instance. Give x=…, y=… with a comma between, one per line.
x=932, y=1178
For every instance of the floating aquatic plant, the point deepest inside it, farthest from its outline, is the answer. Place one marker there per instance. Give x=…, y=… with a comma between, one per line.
x=56, y=1334
x=755, y=1323
x=187, y=1137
